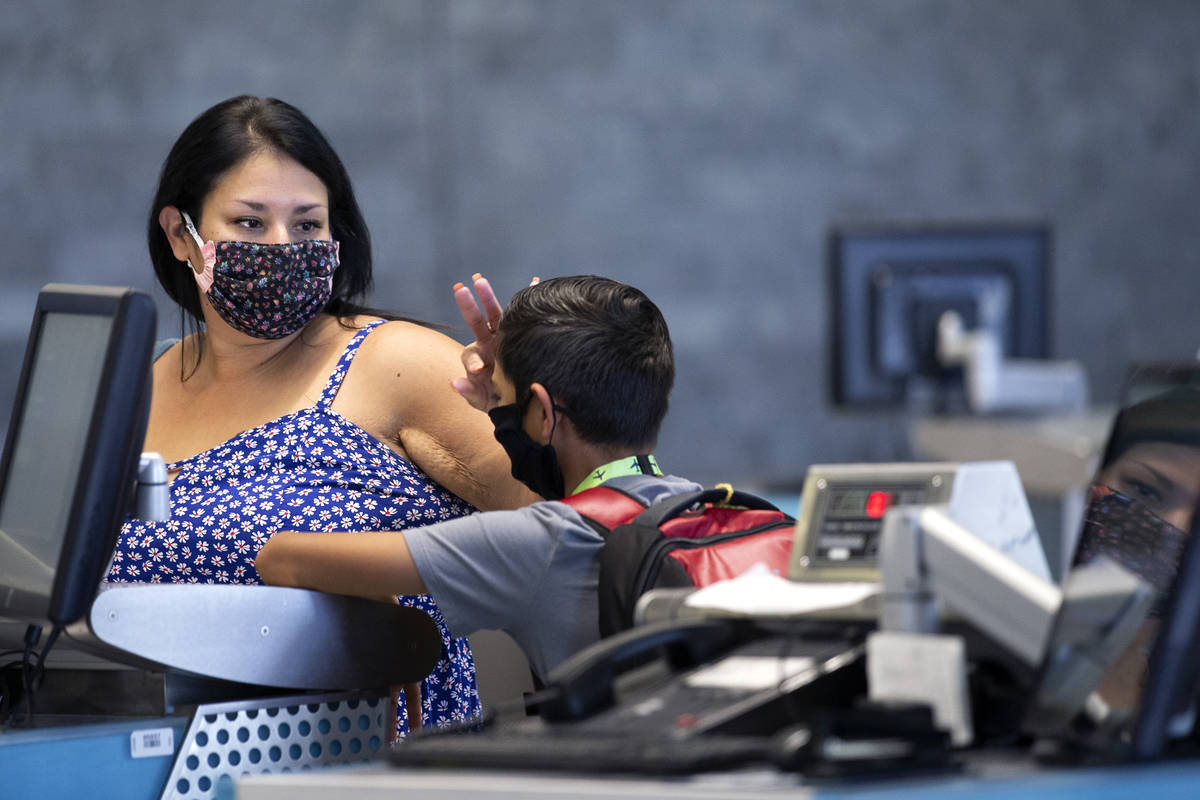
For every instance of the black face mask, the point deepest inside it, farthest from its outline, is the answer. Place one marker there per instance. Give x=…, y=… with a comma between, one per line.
x=533, y=464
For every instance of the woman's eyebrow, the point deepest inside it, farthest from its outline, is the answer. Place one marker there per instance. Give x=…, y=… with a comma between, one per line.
x=302, y=209
x=1168, y=484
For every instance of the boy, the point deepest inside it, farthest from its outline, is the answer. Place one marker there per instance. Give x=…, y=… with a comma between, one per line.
x=575, y=375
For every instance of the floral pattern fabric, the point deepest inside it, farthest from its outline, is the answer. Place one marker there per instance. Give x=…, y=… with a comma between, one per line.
x=1127, y=531
x=311, y=470
x=271, y=290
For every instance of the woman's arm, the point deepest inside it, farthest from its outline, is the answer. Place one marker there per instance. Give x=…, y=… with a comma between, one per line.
x=374, y=565
x=411, y=372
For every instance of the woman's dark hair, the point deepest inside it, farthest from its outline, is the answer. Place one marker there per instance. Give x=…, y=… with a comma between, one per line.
x=1173, y=416
x=602, y=350
x=224, y=136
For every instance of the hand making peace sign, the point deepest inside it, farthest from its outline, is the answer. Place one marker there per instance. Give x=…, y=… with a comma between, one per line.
x=478, y=358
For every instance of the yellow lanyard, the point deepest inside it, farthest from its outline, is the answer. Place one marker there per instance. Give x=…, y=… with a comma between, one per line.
x=630, y=465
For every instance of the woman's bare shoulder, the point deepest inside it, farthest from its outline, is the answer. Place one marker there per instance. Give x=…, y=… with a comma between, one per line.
x=398, y=341
x=405, y=363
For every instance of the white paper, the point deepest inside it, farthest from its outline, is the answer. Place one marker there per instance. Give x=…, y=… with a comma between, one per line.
x=758, y=592
x=748, y=672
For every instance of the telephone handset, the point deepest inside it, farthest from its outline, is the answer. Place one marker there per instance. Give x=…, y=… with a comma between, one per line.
x=584, y=684
x=705, y=676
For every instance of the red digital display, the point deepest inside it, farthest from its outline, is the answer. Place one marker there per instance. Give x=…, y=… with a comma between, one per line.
x=877, y=503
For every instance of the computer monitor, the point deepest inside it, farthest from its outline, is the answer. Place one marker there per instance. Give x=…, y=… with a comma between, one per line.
x=68, y=470
x=1143, y=513
x=890, y=286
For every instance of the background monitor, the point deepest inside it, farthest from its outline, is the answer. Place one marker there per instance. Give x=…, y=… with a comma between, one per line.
x=890, y=285
x=69, y=465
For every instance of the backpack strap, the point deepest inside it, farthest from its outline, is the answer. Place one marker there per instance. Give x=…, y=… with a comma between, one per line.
x=611, y=507
x=604, y=507
x=671, y=507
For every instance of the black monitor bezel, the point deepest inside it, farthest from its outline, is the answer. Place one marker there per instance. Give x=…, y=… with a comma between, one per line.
x=116, y=430
x=1173, y=672
x=849, y=299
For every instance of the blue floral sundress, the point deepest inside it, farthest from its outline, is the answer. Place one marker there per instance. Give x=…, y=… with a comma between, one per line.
x=311, y=470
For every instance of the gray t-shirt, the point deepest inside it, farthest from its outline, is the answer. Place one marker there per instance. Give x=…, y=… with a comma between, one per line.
x=531, y=572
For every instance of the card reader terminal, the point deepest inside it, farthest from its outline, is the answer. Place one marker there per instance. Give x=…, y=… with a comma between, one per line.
x=842, y=509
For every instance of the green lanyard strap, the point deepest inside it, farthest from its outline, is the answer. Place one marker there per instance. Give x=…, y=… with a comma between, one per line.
x=630, y=465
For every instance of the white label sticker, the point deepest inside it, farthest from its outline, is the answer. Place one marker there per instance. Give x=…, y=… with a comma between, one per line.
x=152, y=742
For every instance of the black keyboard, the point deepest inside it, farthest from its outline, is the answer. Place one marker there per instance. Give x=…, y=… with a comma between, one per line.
x=497, y=748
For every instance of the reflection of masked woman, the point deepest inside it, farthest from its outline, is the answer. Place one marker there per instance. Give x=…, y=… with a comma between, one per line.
x=1126, y=531
x=1147, y=489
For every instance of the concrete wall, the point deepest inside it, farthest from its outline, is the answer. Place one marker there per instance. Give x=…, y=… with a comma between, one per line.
x=699, y=149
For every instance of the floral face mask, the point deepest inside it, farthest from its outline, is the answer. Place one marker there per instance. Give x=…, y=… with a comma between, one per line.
x=1120, y=527
x=267, y=291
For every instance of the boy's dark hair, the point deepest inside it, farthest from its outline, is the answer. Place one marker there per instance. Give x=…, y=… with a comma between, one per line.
x=602, y=350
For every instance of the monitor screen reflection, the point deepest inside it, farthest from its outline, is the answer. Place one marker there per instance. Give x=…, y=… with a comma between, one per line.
x=1139, y=514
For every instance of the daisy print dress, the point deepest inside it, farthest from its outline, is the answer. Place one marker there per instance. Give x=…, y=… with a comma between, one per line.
x=311, y=470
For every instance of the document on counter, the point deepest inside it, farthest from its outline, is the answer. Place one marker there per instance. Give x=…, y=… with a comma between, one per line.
x=760, y=593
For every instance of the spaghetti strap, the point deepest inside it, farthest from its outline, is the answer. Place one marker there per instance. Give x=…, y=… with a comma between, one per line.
x=343, y=366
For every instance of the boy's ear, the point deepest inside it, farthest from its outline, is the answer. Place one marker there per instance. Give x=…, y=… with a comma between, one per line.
x=543, y=410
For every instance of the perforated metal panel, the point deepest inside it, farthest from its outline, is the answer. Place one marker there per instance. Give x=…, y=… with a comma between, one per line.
x=227, y=740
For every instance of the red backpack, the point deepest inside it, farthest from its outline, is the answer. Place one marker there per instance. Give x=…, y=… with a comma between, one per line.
x=690, y=539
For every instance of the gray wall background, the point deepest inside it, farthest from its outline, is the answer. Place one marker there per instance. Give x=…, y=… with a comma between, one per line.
x=699, y=149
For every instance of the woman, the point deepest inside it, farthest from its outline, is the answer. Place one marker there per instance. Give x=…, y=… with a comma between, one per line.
x=1141, y=504
x=1139, y=514
x=290, y=405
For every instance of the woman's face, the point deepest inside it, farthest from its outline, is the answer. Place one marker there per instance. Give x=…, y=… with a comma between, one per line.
x=268, y=198
x=1163, y=476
